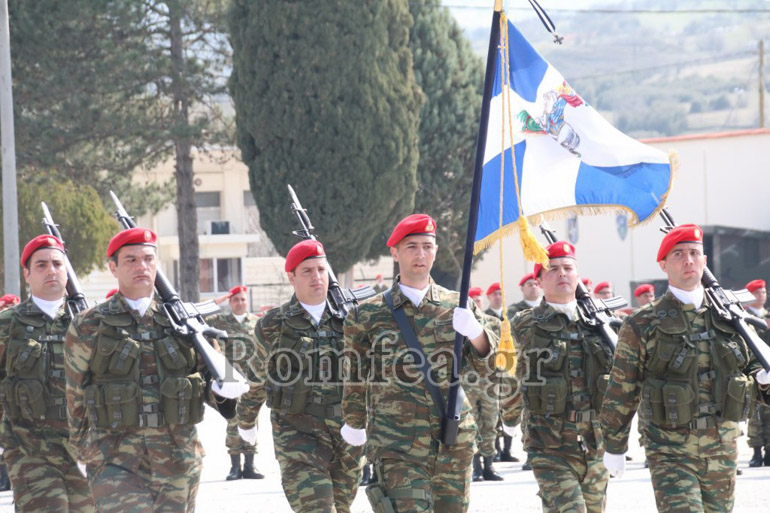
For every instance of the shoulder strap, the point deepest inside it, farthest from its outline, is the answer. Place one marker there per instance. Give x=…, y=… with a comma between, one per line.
x=411, y=340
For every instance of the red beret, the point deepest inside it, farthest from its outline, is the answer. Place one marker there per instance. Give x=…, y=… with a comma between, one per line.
x=415, y=224
x=132, y=237
x=601, y=285
x=111, y=293
x=587, y=282
x=378, y=277
x=474, y=291
x=9, y=299
x=755, y=284
x=558, y=249
x=643, y=289
x=493, y=288
x=237, y=289
x=301, y=251
x=682, y=233
x=524, y=279
x=40, y=242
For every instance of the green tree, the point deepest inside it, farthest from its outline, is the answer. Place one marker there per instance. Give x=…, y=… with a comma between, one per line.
x=83, y=221
x=452, y=78
x=326, y=101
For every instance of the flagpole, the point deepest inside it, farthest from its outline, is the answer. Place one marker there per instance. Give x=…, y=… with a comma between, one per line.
x=452, y=418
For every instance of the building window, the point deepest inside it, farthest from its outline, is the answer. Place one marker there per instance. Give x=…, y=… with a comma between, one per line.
x=219, y=274
x=208, y=206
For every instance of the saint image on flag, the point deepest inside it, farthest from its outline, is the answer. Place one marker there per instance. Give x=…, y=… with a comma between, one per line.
x=567, y=158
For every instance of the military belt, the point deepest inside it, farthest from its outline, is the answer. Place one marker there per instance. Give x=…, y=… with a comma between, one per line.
x=56, y=412
x=56, y=373
x=149, y=408
x=703, y=423
x=581, y=415
x=326, y=411
x=150, y=380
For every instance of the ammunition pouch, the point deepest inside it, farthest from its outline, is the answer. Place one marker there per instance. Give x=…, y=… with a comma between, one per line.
x=740, y=398
x=381, y=499
x=549, y=398
x=181, y=399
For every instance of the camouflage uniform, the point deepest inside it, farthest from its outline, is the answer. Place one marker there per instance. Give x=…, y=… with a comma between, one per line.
x=563, y=370
x=34, y=431
x=687, y=367
x=319, y=470
x=239, y=352
x=385, y=393
x=759, y=422
x=134, y=394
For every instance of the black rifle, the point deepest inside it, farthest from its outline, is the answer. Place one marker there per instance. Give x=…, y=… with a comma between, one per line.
x=594, y=312
x=340, y=301
x=186, y=318
x=76, y=300
x=728, y=305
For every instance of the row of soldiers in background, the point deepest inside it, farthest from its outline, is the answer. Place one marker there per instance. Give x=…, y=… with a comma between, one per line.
x=99, y=408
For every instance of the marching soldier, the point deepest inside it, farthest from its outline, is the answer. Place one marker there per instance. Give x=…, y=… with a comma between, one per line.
x=759, y=423
x=239, y=348
x=563, y=368
x=135, y=391
x=34, y=430
x=695, y=377
x=393, y=410
x=320, y=471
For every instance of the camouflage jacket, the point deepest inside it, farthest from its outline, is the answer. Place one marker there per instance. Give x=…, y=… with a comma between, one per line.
x=32, y=366
x=562, y=371
x=384, y=390
x=642, y=362
x=516, y=308
x=111, y=338
x=492, y=313
x=292, y=354
x=240, y=346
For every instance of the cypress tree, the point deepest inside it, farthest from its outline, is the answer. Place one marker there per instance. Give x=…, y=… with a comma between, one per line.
x=326, y=101
x=452, y=78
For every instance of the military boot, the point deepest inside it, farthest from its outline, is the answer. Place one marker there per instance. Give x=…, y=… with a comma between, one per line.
x=5, y=482
x=756, y=460
x=235, y=468
x=490, y=474
x=527, y=465
x=767, y=455
x=498, y=451
x=507, y=456
x=366, y=478
x=249, y=470
x=478, y=472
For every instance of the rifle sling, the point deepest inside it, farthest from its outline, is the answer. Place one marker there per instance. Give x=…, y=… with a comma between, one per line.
x=411, y=340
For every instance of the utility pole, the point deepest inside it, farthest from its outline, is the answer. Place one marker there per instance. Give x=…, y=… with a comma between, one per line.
x=761, y=84
x=10, y=197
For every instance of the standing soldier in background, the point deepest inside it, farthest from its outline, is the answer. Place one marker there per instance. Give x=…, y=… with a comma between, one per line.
x=482, y=393
x=531, y=292
x=388, y=405
x=8, y=301
x=563, y=369
x=759, y=423
x=603, y=290
x=320, y=471
x=34, y=432
x=239, y=348
x=695, y=377
x=379, y=285
x=135, y=390
x=644, y=294
x=474, y=293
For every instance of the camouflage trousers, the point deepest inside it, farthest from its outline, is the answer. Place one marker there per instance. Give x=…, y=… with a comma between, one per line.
x=154, y=470
x=693, y=484
x=486, y=411
x=441, y=484
x=759, y=427
x=320, y=472
x=570, y=481
x=45, y=478
x=233, y=441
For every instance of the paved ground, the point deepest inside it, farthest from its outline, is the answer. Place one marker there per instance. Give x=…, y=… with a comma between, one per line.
x=632, y=493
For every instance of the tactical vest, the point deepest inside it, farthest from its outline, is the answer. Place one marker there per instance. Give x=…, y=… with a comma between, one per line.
x=304, y=371
x=34, y=365
x=551, y=385
x=673, y=378
x=123, y=394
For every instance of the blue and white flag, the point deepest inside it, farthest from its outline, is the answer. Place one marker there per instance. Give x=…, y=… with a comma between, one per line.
x=568, y=158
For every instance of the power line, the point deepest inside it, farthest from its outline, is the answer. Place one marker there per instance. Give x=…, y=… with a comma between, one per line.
x=609, y=10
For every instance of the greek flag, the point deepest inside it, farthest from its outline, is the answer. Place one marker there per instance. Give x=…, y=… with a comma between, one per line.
x=568, y=158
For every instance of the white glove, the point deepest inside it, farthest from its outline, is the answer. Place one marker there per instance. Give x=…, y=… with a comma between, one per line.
x=230, y=389
x=509, y=430
x=248, y=435
x=1, y=451
x=465, y=323
x=353, y=436
x=615, y=464
x=762, y=377
x=82, y=468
